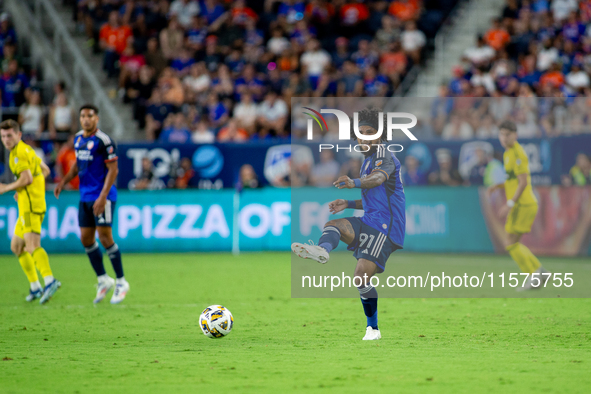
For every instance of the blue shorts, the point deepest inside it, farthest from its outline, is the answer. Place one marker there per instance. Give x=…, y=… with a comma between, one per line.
x=371, y=244
x=86, y=216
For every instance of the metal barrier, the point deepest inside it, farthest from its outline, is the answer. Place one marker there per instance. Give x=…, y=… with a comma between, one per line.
x=79, y=77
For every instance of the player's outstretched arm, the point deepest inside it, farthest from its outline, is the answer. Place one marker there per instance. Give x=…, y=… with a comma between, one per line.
x=374, y=179
x=25, y=179
x=339, y=205
x=69, y=176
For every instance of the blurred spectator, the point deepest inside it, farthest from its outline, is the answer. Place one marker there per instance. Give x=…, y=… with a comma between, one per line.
x=457, y=128
x=315, y=59
x=374, y=84
x=9, y=53
x=389, y=32
x=31, y=116
x=547, y=55
x=184, y=10
x=177, y=132
x=394, y=61
x=413, y=41
x=146, y=180
x=478, y=170
x=198, y=80
x=364, y=57
x=577, y=79
x=405, y=10
x=350, y=84
x=171, y=87
x=154, y=56
x=113, y=39
x=272, y=114
x=218, y=113
x=278, y=43
x=562, y=8
x=250, y=83
x=185, y=174
x=138, y=90
x=66, y=158
x=13, y=84
x=182, y=63
x=302, y=162
x=245, y=112
x=171, y=39
x=341, y=54
x=202, y=134
x=157, y=112
x=487, y=128
x=7, y=33
x=353, y=15
x=130, y=62
x=248, y=178
x=413, y=175
x=232, y=133
x=580, y=173
x=326, y=172
x=446, y=174
x=497, y=36
x=62, y=117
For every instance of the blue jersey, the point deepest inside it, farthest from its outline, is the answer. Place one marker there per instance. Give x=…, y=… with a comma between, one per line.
x=384, y=205
x=92, y=154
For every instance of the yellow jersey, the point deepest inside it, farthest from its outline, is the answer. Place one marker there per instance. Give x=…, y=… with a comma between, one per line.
x=31, y=198
x=516, y=163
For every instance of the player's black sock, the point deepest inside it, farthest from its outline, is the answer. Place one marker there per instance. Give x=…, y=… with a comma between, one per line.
x=96, y=258
x=115, y=256
x=369, y=300
x=330, y=238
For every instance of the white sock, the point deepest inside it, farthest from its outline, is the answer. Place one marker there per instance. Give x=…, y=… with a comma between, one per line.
x=120, y=281
x=48, y=279
x=35, y=286
x=103, y=278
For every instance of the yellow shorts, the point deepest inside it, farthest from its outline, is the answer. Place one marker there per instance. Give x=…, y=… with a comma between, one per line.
x=521, y=218
x=28, y=222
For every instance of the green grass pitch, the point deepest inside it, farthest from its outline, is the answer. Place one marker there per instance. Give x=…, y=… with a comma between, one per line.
x=152, y=342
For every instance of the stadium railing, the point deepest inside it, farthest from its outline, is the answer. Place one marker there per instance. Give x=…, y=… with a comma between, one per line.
x=47, y=26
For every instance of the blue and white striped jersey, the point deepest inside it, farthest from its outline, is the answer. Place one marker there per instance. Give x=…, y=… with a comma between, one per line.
x=384, y=205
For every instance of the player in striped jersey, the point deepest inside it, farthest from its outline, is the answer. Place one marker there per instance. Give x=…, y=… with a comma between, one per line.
x=96, y=166
x=380, y=231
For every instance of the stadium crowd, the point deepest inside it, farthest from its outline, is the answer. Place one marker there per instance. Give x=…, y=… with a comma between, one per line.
x=531, y=65
x=213, y=70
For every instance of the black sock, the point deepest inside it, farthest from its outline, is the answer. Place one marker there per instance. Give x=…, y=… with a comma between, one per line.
x=369, y=300
x=115, y=256
x=96, y=258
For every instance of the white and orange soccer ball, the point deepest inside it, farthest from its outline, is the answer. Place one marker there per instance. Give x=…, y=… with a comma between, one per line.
x=216, y=321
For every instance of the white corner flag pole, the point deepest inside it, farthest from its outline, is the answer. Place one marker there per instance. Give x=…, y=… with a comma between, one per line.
x=236, y=224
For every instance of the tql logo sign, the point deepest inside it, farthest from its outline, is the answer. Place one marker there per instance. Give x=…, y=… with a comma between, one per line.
x=345, y=124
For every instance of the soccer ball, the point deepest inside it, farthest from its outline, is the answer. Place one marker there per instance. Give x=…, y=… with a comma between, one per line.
x=216, y=321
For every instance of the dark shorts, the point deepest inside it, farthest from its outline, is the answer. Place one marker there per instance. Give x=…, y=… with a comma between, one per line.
x=86, y=216
x=371, y=244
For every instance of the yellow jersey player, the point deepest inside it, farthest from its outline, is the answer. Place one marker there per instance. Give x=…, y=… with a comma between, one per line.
x=521, y=207
x=30, y=173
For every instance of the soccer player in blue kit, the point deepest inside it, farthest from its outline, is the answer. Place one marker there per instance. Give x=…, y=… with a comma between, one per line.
x=96, y=165
x=380, y=231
